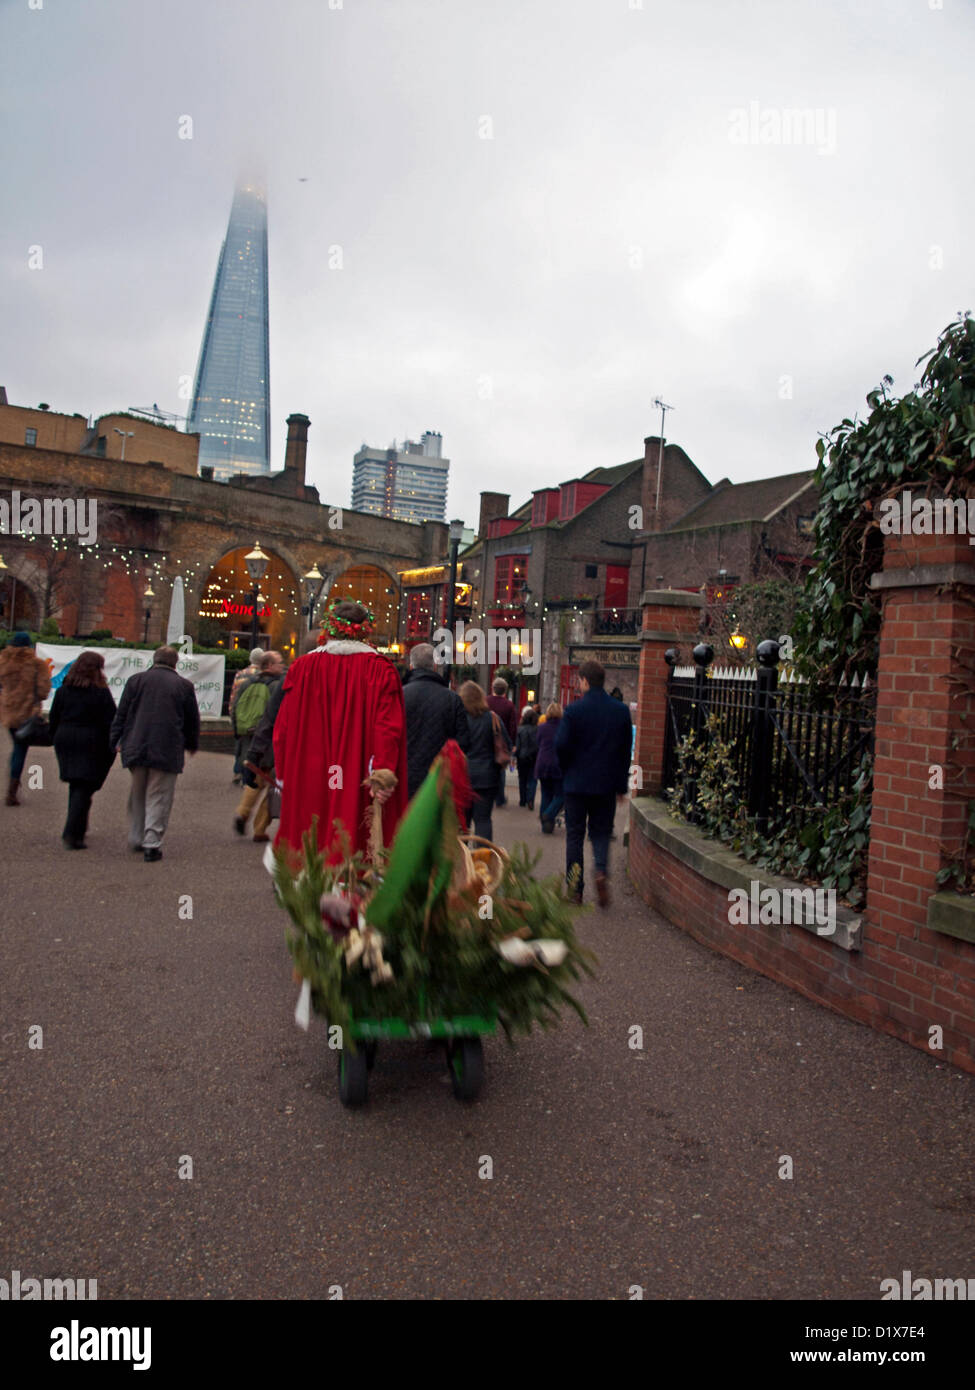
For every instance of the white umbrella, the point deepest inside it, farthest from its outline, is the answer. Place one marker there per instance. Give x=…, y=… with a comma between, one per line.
x=177, y=615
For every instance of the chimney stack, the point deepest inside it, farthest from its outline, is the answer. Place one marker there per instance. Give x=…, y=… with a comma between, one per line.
x=297, y=447
x=493, y=504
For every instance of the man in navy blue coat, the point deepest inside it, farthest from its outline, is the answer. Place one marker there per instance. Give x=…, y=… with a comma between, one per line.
x=593, y=747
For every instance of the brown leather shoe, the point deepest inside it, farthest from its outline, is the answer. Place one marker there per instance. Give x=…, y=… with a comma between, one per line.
x=602, y=890
x=12, y=790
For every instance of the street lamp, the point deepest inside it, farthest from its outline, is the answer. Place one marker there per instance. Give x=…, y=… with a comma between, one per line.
x=456, y=530
x=257, y=563
x=126, y=434
x=148, y=596
x=314, y=582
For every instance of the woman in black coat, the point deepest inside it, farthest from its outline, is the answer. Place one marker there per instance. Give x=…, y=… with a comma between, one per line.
x=548, y=769
x=483, y=770
x=81, y=717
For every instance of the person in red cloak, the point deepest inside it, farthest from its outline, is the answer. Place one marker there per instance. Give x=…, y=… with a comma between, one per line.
x=341, y=721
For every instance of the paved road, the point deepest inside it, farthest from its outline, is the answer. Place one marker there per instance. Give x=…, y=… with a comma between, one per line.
x=166, y=1037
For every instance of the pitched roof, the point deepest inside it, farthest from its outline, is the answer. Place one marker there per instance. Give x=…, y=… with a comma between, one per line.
x=736, y=502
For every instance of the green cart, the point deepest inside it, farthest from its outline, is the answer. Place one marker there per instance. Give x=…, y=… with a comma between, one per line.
x=460, y=1035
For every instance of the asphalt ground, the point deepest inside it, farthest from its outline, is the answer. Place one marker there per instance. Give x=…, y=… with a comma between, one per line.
x=166, y=1036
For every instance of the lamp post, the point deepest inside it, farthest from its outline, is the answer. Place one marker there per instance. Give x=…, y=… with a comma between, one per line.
x=256, y=563
x=148, y=596
x=314, y=582
x=455, y=532
x=126, y=434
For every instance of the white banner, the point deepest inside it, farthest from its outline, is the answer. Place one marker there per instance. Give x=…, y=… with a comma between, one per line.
x=205, y=673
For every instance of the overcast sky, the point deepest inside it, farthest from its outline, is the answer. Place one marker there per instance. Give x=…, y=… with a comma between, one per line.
x=623, y=234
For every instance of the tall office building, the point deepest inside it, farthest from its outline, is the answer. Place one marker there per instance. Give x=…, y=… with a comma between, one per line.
x=231, y=397
x=408, y=484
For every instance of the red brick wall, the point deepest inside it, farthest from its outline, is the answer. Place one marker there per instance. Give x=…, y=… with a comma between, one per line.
x=907, y=978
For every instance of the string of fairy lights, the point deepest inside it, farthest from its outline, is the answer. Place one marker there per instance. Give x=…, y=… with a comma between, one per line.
x=225, y=580
x=277, y=593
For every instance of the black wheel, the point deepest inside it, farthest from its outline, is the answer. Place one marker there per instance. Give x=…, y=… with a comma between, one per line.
x=353, y=1077
x=466, y=1059
x=370, y=1051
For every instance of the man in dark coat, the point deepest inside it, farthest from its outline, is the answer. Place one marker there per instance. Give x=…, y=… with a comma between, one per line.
x=157, y=720
x=505, y=710
x=434, y=713
x=593, y=747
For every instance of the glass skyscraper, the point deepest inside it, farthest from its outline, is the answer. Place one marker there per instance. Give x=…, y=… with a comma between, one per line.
x=231, y=396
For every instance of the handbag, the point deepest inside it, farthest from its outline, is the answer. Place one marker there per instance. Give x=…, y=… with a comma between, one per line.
x=502, y=747
x=35, y=731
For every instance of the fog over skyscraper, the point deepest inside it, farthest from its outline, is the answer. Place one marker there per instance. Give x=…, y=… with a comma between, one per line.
x=231, y=395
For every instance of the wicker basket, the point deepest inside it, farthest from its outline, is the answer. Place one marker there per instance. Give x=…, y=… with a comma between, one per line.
x=482, y=864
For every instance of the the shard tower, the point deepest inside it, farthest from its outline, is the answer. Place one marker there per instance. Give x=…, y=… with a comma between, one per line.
x=231, y=396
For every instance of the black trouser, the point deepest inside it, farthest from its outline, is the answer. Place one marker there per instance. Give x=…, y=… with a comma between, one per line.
x=526, y=782
x=599, y=811
x=79, y=804
x=552, y=798
x=481, y=811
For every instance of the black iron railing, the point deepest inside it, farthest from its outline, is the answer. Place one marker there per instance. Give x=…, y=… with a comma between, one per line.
x=795, y=749
x=616, y=622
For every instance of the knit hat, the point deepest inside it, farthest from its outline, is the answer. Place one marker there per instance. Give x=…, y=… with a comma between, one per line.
x=21, y=639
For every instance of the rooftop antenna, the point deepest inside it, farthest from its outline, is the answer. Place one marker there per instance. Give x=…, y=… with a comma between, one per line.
x=660, y=457
x=154, y=413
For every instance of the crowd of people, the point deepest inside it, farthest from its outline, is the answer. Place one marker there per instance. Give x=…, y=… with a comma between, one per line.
x=339, y=738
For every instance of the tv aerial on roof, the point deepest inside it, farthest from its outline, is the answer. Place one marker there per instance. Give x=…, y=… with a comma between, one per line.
x=161, y=417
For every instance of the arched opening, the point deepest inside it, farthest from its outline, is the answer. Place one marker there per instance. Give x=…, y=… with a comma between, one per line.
x=372, y=586
x=226, y=605
x=18, y=606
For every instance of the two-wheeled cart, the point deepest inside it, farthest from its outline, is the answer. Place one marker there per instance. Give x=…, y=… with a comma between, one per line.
x=461, y=1036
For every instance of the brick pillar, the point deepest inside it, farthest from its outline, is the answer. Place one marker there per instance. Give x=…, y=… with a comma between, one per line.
x=670, y=619
x=923, y=703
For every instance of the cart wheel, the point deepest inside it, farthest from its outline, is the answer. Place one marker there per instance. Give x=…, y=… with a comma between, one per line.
x=353, y=1077
x=467, y=1068
x=370, y=1051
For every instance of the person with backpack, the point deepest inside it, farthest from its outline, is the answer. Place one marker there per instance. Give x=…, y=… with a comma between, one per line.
x=249, y=708
x=242, y=678
x=526, y=751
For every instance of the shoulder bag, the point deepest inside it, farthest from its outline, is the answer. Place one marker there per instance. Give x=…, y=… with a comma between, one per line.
x=35, y=731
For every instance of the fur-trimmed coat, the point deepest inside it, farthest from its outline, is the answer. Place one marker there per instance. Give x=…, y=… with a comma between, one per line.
x=19, y=695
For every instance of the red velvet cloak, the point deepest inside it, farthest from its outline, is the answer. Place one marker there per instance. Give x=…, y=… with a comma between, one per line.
x=342, y=713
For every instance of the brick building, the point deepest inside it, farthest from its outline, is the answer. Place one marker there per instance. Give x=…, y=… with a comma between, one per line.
x=573, y=561
x=158, y=519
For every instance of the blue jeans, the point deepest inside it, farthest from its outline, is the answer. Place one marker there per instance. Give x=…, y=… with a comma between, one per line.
x=17, y=758
x=552, y=798
x=599, y=811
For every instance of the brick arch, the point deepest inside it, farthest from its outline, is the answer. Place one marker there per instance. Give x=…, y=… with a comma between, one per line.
x=30, y=588
x=194, y=589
